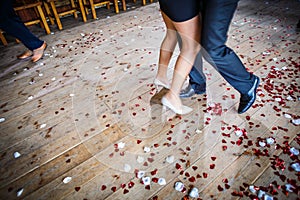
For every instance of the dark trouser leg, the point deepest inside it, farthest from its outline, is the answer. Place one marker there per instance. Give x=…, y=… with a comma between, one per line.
x=217, y=16
x=12, y=24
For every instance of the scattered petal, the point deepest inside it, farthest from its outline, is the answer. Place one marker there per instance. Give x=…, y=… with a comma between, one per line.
x=121, y=145
x=146, y=149
x=127, y=168
x=2, y=119
x=194, y=193
x=43, y=125
x=170, y=159
x=162, y=181
x=179, y=186
x=296, y=167
x=294, y=151
x=140, y=159
x=146, y=180
x=19, y=192
x=17, y=154
x=296, y=121
x=140, y=174
x=67, y=180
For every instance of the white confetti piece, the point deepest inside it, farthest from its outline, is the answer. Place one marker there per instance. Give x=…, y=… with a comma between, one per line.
x=67, y=180
x=261, y=194
x=82, y=34
x=30, y=97
x=194, y=193
x=146, y=180
x=43, y=125
x=2, y=119
x=278, y=99
x=268, y=197
x=127, y=168
x=270, y=140
x=17, y=154
x=289, y=98
x=252, y=189
x=170, y=159
x=294, y=151
x=288, y=116
x=53, y=79
x=275, y=59
x=179, y=186
x=238, y=133
x=296, y=167
x=42, y=64
x=121, y=145
x=296, y=121
x=125, y=69
x=140, y=174
x=198, y=131
x=146, y=149
x=19, y=192
x=261, y=143
x=72, y=95
x=41, y=74
x=162, y=181
x=140, y=159
x=289, y=187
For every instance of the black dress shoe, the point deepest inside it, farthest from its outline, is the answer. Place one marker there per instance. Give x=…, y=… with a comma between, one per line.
x=189, y=92
x=248, y=99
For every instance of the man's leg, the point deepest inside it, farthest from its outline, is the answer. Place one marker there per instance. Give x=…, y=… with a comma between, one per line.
x=217, y=16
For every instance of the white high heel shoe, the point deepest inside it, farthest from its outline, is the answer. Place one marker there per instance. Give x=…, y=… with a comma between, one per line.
x=182, y=111
x=157, y=83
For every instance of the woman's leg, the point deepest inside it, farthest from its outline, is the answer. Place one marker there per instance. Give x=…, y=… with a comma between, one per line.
x=190, y=33
x=166, y=50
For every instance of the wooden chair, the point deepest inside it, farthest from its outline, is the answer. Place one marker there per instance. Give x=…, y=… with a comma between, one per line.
x=54, y=10
x=143, y=2
x=92, y=4
x=37, y=6
x=3, y=40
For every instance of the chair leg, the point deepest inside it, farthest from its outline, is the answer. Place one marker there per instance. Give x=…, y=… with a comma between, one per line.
x=93, y=9
x=124, y=5
x=56, y=16
x=3, y=39
x=143, y=2
x=82, y=10
x=48, y=13
x=45, y=24
x=116, y=6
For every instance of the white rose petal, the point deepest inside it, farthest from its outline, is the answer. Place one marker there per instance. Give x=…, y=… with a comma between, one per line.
x=121, y=145
x=294, y=151
x=296, y=121
x=146, y=149
x=19, y=192
x=67, y=180
x=17, y=154
x=288, y=116
x=140, y=159
x=43, y=125
x=252, y=189
x=146, y=180
x=30, y=97
x=162, y=181
x=261, y=143
x=72, y=95
x=127, y=168
x=2, y=119
x=270, y=140
x=140, y=174
x=170, y=159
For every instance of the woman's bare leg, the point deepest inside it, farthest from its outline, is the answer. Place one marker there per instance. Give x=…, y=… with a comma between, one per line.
x=166, y=50
x=190, y=33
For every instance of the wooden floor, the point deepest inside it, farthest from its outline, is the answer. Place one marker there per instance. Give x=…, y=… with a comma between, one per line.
x=85, y=122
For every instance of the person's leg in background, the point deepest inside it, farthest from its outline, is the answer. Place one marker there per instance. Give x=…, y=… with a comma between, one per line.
x=12, y=25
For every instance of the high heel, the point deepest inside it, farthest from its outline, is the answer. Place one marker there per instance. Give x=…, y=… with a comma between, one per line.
x=182, y=111
x=157, y=83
